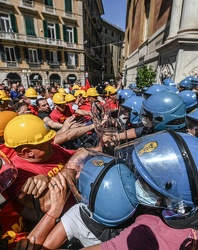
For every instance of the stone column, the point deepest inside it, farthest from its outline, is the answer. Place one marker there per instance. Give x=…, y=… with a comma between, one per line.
x=189, y=18
x=175, y=17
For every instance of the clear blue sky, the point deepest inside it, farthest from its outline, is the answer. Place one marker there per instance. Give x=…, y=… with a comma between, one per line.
x=115, y=12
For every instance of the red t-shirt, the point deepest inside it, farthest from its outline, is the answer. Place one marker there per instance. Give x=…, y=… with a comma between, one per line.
x=27, y=169
x=33, y=109
x=56, y=116
x=111, y=104
x=9, y=152
x=87, y=107
x=70, y=108
x=12, y=224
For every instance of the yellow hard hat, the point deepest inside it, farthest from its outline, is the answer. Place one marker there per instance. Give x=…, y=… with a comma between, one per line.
x=62, y=91
x=69, y=98
x=76, y=86
x=58, y=98
x=31, y=93
x=27, y=129
x=80, y=92
x=5, y=117
x=4, y=96
x=92, y=92
x=110, y=90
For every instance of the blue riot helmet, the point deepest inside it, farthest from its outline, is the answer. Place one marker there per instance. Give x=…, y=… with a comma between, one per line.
x=133, y=105
x=108, y=190
x=153, y=89
x=132, y=86
x=190, y=99
x=156, y=160
x=190, y=78
x=163, y=110
x=193, y=115
x=186, y=84
x=165, y=165
x=169, y=82
x=173, y=89
x=124, y=94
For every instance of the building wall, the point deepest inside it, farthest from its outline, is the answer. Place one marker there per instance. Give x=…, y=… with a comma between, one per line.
x=92, y=39
x=19, y=41
x=164, y=36
x=112, y=51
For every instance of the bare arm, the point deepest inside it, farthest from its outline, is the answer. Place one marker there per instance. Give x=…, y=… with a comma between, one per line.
x=52, y=124
x=83, y=112
x=72, y=133
x=58, y=194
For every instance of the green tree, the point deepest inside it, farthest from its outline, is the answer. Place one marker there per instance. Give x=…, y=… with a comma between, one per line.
x=145, y=76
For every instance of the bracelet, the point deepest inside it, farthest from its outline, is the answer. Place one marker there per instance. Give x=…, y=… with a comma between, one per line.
x=56, y=219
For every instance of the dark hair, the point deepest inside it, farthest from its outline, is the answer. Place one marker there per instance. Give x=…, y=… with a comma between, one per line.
x=38, y=100
x=41, y=90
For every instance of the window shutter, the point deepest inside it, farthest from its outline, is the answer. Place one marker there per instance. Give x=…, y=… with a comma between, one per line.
x=68, y=5
x=2, y=53
x=59, y=56
x=14, y=23
x=29, y=22
x=76, y=60
x=66, y=58
x=49, y=3
x=65, y=35
x=45, y=28
x=26, y=54
x=40, y=56
x=47, y=54
x=57, y=31
x=17, y=53
x=75, y=35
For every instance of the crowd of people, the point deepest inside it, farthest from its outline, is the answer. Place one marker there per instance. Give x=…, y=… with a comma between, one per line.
x=103, y=167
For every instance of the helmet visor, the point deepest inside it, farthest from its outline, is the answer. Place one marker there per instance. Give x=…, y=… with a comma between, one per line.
x=148, y=119
x=158, y=160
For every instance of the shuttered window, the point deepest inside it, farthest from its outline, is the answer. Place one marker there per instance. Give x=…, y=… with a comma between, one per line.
x=49, y=3
x=68, y=5
x=29, y=23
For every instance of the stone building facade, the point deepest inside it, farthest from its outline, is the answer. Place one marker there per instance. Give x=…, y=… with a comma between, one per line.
x=163, y=34
x=41, y=41
x=112, y=51
x=92, y=39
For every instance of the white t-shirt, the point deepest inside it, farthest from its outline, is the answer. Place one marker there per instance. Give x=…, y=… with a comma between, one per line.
x=75, y=227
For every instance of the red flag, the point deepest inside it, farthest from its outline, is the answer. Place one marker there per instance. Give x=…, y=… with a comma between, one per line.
x=87, y=84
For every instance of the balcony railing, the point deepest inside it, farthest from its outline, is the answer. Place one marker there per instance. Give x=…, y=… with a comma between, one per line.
x=71, y=45
x=12, y=64
x=49, y=9
x=28, y=3
x=7, y=35
x=31, y=39
x=34, y=65
x=54, y=65
x=70, y=66
x=69, y=15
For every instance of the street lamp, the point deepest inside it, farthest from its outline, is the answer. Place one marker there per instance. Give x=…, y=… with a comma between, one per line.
x=27, y=74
